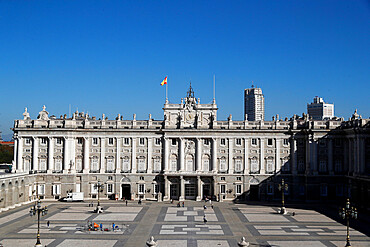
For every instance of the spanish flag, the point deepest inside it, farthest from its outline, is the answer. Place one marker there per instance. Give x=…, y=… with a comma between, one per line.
x=164, y=81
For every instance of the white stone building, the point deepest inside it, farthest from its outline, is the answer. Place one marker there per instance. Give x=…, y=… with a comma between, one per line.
x=254, y=104
x=188, y=155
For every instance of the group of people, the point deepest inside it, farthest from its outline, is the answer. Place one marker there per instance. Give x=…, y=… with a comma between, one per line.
x=94, y=226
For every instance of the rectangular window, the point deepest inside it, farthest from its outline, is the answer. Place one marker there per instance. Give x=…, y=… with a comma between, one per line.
x=270, y=189
x=222, y=165
x=222, y=178
x=141, y=188
x=42, y=164
x=28, y=141
x=223, y=188
x=141, y=165
x=206, y=165
x=126, y=141
x=41, y=189
x=94, y=189
x=223, y=142
x=110, y=165
x=79, y=164
x=141, y=141
x=79, y=141
x=254, y=142
x=44, y=140
x=238, y=189
x=189, y=165
x=338, y=166
x=157, y=141
x=157, y=165
x=238, y=165
x=322, y=166
x=109, y=188
x=56, y=189
x=206, y=142
x=238, y=141
x=254, y=165
x=59, y=140
x=301, y=166
x=110, y=141
x=286, y=142
x=58, y=165
x=94, y=164
x=173, y=141
x=270, y=166
x=173, y=165
x=269, y=142
x=156, y=188
x=239, y=178
x=324, y=190
x=95, y=141
x=126, y=164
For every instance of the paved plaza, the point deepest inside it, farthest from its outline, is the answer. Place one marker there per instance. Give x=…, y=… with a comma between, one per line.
x=174, y=226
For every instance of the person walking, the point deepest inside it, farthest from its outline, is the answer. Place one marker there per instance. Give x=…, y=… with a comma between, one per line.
x=205, y=219
x=113, y=226
x=48, y=223
x=126, y=203
x=101, y=227
x=183, y=204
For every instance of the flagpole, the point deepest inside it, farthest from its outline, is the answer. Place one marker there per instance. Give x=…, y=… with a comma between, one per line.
x=166, y=92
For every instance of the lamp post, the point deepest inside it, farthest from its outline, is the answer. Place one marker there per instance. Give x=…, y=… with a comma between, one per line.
x=283, y=187
x=38, y=209
x=99, y=186
x=347, y=213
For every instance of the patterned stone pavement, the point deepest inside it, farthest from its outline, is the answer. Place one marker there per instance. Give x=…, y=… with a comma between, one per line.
x=174, y=226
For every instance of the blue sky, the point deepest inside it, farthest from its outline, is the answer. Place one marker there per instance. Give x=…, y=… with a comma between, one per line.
x=110, y=56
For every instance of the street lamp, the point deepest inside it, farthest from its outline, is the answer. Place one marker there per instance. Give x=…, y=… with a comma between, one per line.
x=99, y=186
x=347, y=213
x=38, y=209
x=283, y=187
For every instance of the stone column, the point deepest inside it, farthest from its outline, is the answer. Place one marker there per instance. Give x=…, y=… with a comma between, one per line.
x=165, y=155
x=182, y=188
x=294, y=156
x=86, y=155
x=182, y=155
x=133, y=156
x=231, y=154
x=277, y=155
x=214, y=154
x=15, y=164
x=166, y=189
x=102, y=155
x=35, y=158
x=19, y=155
x=262, y=156
x=199, y=155
x=150, y=161
x=199, y=196
x=246, y=156
x=51, y=155
x=118, y=154
x=330, y=156
x=65, y=155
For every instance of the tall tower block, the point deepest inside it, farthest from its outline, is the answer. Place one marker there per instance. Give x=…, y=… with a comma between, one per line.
x=254, y=104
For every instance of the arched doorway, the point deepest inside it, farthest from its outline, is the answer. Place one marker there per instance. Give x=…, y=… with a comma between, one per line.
x=254, y=189
x=125, y=189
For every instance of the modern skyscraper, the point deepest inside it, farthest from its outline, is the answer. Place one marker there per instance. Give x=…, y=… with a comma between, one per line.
x=254, y=104
x=319, y=110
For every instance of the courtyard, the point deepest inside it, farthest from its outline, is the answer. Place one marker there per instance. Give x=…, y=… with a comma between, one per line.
x=173, y=226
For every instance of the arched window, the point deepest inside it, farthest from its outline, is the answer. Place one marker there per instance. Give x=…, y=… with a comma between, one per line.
x=141, y=164
x=126, y=164
x=270, y=166
x=110, y=164
x=173, y=163
x=254, y=165
x=238, y=164
x=223, y=166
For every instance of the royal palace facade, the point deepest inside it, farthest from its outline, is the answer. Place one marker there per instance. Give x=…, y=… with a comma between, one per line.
x=188, y=155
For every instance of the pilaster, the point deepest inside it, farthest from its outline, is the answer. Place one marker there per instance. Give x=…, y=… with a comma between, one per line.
x=102, y=155
x=149, y=160
x=199, y=155
x=35, y=153
x=182, y=188
x=246, y=155
x=118, y=154
x=133, y=156
x=214, y=154
x=86, y=155
x=20, y=154
x=182, y=156
x=199, y=195
x=262, y=156
x=165, y=155
x=330, y=156
x=231, y=154
x=277, y=154
x=51, y=155
x=294, y=156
